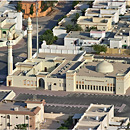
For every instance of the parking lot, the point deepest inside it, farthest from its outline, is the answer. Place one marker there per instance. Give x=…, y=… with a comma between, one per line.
x=78, y=103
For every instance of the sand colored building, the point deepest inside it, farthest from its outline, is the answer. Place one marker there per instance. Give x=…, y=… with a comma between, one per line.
x=104, y=24
x=100, y=117
x=30, y=113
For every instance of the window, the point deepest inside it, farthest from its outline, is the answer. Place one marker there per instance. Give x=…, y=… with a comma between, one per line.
x=91, y=87
x=54, y=83
x=24, y=82
x=108, y=88
x=111, y=88
x=102, y=88
x=85, y=86
x=99, y=87
x=31, y=83
x=8, y=116
x=79, y=86
x=105, y=88
x=16, y=117
x=88, y=87
x=8, y=124
x=76, y=86
x=27, y=118
x=82, y=86
x=96, y=87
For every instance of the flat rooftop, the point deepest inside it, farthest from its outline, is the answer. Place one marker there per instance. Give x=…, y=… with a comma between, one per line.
x=8, y=26
x=81, y=35
x=86, y=127
x=17, y=108
x=2, y=18
x=92, y=118
x=60, y=72
x=123, y=32
x=93, y=11
x=89, y=69
x=66, y=56
x=101, y=109
x=3, y=94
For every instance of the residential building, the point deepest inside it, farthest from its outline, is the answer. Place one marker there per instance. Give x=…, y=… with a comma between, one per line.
x=100, y=117
x=59, y=31
x=121, y=5
x=30, y=113
x=121, y=39
x=114, y=13
x=103, y=24
x=77, y=38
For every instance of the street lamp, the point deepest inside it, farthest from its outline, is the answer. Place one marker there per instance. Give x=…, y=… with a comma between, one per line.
x=37, y=26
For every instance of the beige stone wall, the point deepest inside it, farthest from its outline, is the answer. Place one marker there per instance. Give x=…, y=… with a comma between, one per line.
x=94, y=84
x=22, y=81
x=70, y=81
x=56, y=115
x=116, y=51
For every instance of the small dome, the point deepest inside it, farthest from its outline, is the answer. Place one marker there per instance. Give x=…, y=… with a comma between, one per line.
x=104, y=67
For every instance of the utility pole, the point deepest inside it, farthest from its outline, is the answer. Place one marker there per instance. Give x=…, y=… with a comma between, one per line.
x=37, y=26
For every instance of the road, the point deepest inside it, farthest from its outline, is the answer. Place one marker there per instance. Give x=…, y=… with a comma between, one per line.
x=47, y=22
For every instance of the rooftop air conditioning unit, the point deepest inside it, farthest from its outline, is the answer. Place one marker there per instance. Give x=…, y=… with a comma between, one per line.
x=16, y=109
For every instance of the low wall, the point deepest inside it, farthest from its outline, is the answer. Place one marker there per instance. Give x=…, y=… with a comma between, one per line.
x=42, y=14
x=56, y=115
x=116, y=51
x=60, y=51
x=10, y=96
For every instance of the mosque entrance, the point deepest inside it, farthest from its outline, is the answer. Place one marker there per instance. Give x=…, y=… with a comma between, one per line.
x=41, y=83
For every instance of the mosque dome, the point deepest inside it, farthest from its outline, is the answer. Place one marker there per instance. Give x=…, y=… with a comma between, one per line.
x=104, y=67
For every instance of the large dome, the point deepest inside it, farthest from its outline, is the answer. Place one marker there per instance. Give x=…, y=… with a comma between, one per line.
x=104, y=67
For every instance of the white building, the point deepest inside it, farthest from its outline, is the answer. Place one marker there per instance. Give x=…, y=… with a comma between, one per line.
x=59, y=31
x=121, y=5
x=100, y=117
x=114, y=13
x=77, y=38
x=121, y=39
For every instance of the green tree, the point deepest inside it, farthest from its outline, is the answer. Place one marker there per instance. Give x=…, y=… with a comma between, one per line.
x=21, y=126
x=100, y=48
x=31, y=9
x=74, y=19
x=62, y=127
x=48, y=37
x=83, y=12
x=74, y=3
x=19, y=6
x=75, y=27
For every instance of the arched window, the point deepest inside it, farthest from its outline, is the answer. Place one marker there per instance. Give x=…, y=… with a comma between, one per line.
x=4, y=32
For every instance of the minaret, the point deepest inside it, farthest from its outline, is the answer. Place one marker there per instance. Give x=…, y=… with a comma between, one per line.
x=29, y=33
x=10, y=57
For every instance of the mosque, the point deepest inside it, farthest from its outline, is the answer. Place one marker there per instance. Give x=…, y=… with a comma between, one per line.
x=61, y=72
